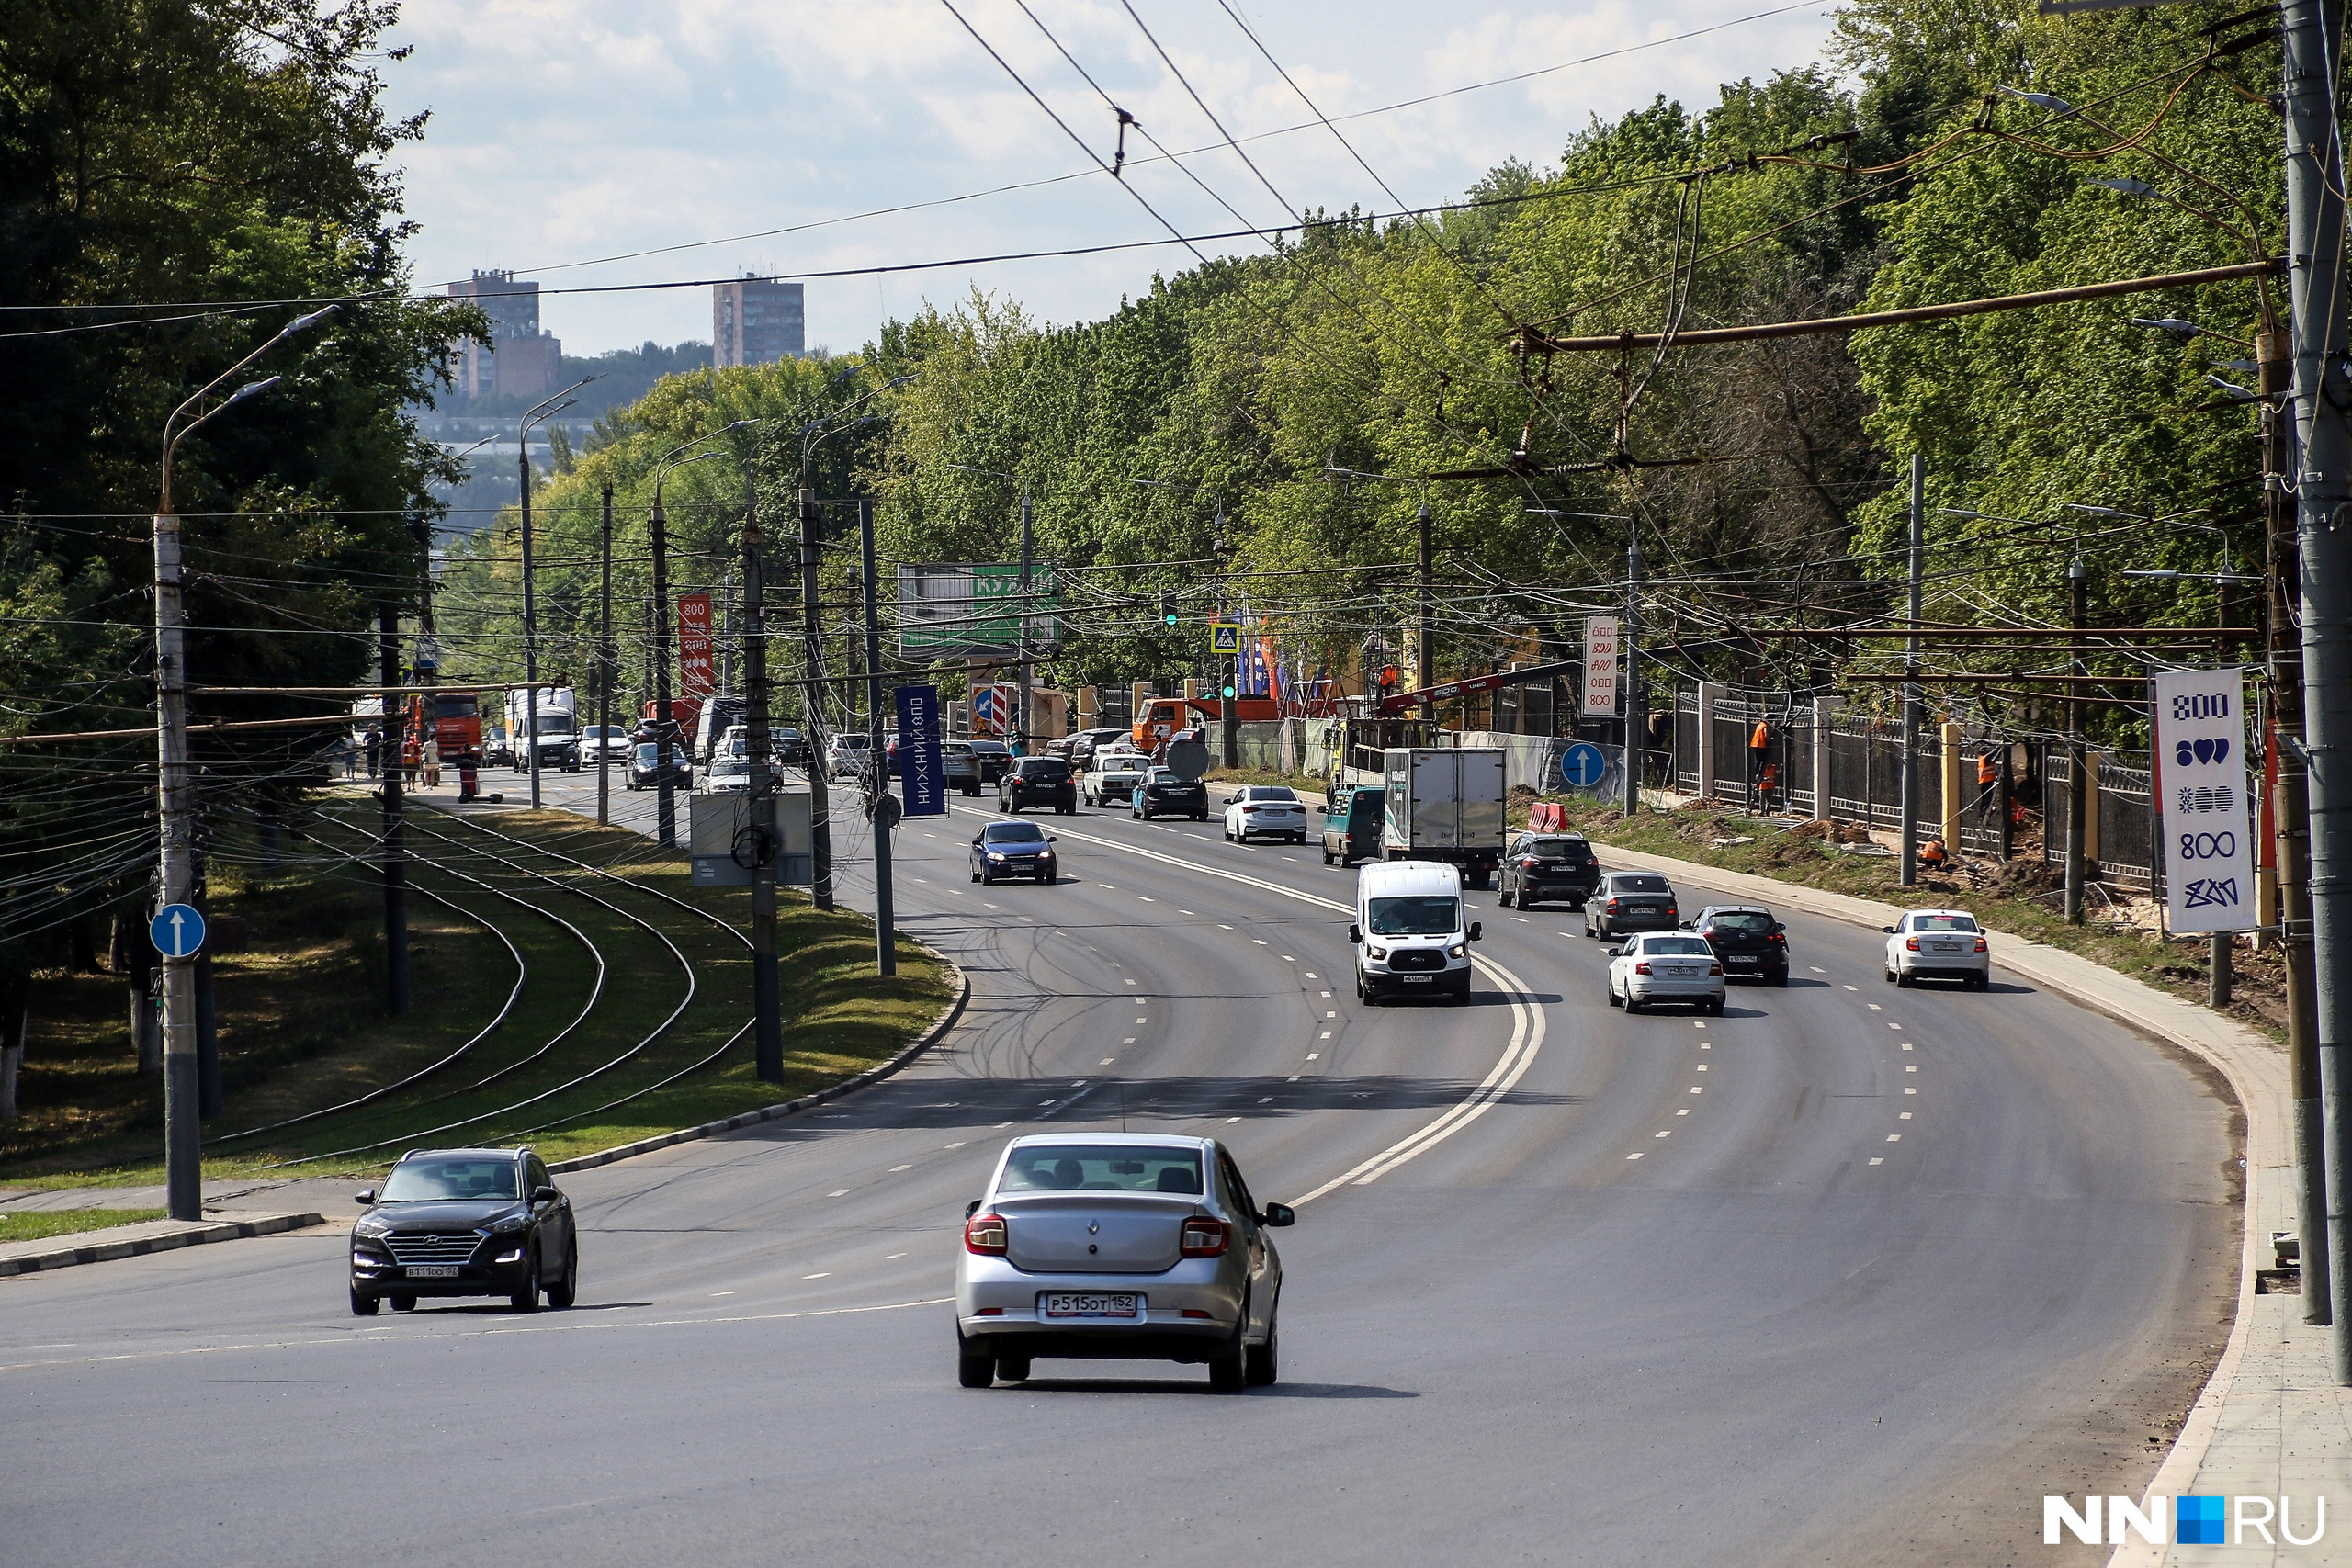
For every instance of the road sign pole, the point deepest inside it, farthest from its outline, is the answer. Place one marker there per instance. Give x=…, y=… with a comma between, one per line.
x=175, y=807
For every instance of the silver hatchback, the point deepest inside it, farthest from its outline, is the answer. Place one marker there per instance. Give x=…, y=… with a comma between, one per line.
x=1122, y=1247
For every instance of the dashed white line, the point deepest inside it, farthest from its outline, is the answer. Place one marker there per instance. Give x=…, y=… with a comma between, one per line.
x=1876, y=1160
x=895, y=1169
x=1183, y=911
x=894, y=1257
x=954, y=1145
x=1684, y=1112
x=1312, y=1055
x=1130, y=1039
x=1288, y=959
x=1910, y=1091
x=1895, y=1137
x=1231, y=1120
x=1106, y=1061
x=1818, y=970
x=845, y=1191
x=1849, y=987
x=1658, y=1134
x=826, y=1275
x=1521, y=919
x=1910, y=1066
x=717, y=1293
x=1873, y=1006
x=1902, y=1116
x=1637, y=1153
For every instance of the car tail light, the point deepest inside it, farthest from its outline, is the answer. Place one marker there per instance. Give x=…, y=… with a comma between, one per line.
x=984, y=1234
x=1980, y=946
x=1715, y=969
x=1205, y=1237
x=1709, y=933
x=1778, y=937
x=1910, y=944
x=1194, y=1312
x=1669, y=911
x=1641, y=968
x=1612, y=906
x=1530, y=864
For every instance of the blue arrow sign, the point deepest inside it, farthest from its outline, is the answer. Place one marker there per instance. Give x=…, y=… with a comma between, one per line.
x=177, y=931
x=1582, y=765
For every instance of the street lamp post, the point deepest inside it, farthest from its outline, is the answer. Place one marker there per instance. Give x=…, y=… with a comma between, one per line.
x=174, y=795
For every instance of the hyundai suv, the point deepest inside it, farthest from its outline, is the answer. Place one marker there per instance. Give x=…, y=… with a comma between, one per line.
x=465, y=1222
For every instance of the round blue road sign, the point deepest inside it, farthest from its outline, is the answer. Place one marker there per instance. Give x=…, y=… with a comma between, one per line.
x=1582, y=765
x=177, y=931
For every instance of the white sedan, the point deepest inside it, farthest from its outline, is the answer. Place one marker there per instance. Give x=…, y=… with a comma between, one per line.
x=1666, y=966
x=1272, y=811
x=1938, y=944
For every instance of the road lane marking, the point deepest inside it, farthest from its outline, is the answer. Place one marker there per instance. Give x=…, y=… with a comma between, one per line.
x=1910, y=1066
x=715, y=1295
x=893, y=1258
x=1849, y=987
x=1910, y=1091
x=1231, y=1120
x=826, y=1275
x=1685, y=1110
x=1106, y=1061
x=1873, y=1006
x=841, y=1193
x=1876, y=1160
x=1702, y=1067
x=1895, y=1137
x=1183, y=911
x=952, y=1145
x=1312, y=1055
x=1637, y=1154
x=895, y=1169
x=1902, y=1116
x=1661, y=1134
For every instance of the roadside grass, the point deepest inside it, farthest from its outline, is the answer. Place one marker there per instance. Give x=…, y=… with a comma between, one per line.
x=39, y=1224
x=839, y=1019
x=2014, y=898
x=1305, y=783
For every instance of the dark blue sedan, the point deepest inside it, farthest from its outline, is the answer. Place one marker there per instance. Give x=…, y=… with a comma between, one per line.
x=1013, y=849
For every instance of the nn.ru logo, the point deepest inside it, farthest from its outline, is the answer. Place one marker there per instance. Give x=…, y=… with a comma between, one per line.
x=2194, y=1521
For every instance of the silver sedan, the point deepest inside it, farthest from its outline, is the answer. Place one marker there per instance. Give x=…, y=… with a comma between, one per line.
x=1118, y=1246
x=1663, y=967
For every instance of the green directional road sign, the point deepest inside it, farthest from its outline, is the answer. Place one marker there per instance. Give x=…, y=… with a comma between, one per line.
x=1225, y=637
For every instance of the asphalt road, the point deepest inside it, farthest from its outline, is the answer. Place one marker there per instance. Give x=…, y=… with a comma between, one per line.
x=1849, y=1275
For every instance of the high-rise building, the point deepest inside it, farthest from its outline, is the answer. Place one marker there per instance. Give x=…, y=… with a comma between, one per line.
x=520, y=357
x=755, y=321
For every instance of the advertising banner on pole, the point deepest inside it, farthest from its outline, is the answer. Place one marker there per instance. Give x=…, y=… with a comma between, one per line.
x=2200, y=793
x=694, y=645
x=1600, y=667
x=923, y=771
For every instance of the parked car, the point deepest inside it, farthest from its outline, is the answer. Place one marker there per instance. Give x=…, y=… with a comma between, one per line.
x=961, y=768
x=645, y=767
x=1112, y=776
x=995, y=758
x=1664, y=967
x=465, y=1222
x=1409, y=935
x=1351, y=824
x=1265, y=811
x=1939, y=945
x=1539, y=866
x=727, y=776
x=1013, y=849
x=1088, y=744
x=848, y=755
x=1038, y=780
x=1127, y=1245
x=1165, y=793
x=1749, y=939
x=1631, y=901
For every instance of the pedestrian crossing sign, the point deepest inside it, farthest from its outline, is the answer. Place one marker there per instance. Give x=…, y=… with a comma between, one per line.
x=1225, y=637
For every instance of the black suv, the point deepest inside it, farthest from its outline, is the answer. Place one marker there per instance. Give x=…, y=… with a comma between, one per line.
x=1162, y=794
x=1038, y=780
x=1547, y=865
x=465, y=1222
x=1746, y=938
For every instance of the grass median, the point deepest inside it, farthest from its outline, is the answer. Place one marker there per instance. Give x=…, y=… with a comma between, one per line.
x=40, y=1225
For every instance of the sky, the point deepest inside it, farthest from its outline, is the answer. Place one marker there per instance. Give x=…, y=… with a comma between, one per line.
x=566, y=141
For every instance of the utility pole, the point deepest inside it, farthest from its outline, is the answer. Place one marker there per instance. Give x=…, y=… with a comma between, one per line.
x=183, y=1085
x=1028, y=665
x=1629, y=649
x=2316, y=248
x=531, y=618
x=767, y=1000
x=665, y=788
x=821, y=830
x=1428, y=653
x=608, y=667
x=884, y=810
x=1908, y=874
x=388, y=658
x=1232, y=709
x=2078, y=792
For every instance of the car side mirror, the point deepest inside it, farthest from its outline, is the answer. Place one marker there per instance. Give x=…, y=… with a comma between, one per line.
x=1683, y=927
x=1475, y=929
x=364, y=1197
x=1052, y=839
x=971, y=1208
x=1278, y=1214
x=1888, y=930
x=1355, y=933
x=1779, y=927
x=546, y=1195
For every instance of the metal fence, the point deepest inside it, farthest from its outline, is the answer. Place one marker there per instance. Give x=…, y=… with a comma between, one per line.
x=2125, y=848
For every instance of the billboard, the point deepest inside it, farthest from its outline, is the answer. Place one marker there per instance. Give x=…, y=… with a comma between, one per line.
x=1600, y=658
x=923, y=771
x=694, y=645
x=2199, y=767
x=954, y=610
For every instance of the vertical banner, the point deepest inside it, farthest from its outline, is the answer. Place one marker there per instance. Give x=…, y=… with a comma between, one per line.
x=923, y=771
x=694, y=645
x=1600, y=660
x=2200, y=792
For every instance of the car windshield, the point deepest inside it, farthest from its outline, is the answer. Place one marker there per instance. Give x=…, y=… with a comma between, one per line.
x=425, y=1180
x=1429, y=916
x=1686, y=945
x=649, y=752
x=729, y=768
x=1637, y=883
x=850, y=742
x=558, y=723
x=1741, y=920
x=1559, y=848
x=1943, y=923
x=1102, y=1168
x=1013, y=833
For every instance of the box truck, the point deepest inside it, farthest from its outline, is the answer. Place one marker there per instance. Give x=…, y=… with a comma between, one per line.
x=1444, y=804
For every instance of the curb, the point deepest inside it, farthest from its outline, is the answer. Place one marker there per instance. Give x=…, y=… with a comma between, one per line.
x=107, y=1252
x=930, y=1037
x=2187, y=1454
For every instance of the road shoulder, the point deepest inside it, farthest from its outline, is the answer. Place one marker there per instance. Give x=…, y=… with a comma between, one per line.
x=67, y=1251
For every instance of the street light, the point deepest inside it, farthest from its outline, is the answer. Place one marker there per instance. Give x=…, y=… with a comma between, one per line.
x=531, y=416
x=174, y=800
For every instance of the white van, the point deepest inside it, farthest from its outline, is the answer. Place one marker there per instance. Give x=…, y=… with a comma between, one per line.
x=1410, y=935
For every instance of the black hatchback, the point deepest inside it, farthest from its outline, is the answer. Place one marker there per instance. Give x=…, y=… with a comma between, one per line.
x=1038, y=780
x=1748, y=939
x=465, y=1222
x=1162, y=794
x=1631, y=901
x=1539, y=866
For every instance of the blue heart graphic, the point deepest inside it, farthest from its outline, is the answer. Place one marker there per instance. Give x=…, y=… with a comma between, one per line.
x=2204, y=750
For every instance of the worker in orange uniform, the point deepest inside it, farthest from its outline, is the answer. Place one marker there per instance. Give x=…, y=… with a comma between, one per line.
x=1932, y=855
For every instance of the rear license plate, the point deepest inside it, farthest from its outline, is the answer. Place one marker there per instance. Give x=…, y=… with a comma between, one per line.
x=1417, y=979
x=1744, y=958
x=1090, y=1303
x=432, y=1271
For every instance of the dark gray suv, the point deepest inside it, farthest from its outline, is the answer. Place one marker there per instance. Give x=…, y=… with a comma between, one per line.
x=465, y=1222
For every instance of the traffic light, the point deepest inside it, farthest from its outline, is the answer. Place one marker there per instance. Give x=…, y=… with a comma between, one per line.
x=1229, y=693
x=1168, y=609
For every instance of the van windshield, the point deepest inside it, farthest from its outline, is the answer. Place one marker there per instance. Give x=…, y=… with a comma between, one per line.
x=1432, y=916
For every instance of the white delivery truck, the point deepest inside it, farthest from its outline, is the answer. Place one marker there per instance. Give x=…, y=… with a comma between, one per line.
x=1444, y=804
x=559, y=728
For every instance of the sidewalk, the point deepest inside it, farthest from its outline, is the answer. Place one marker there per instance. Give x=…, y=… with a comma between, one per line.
x=2271, y=1421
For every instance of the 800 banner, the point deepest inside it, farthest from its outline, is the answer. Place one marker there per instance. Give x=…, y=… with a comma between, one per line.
x=2201, y=800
